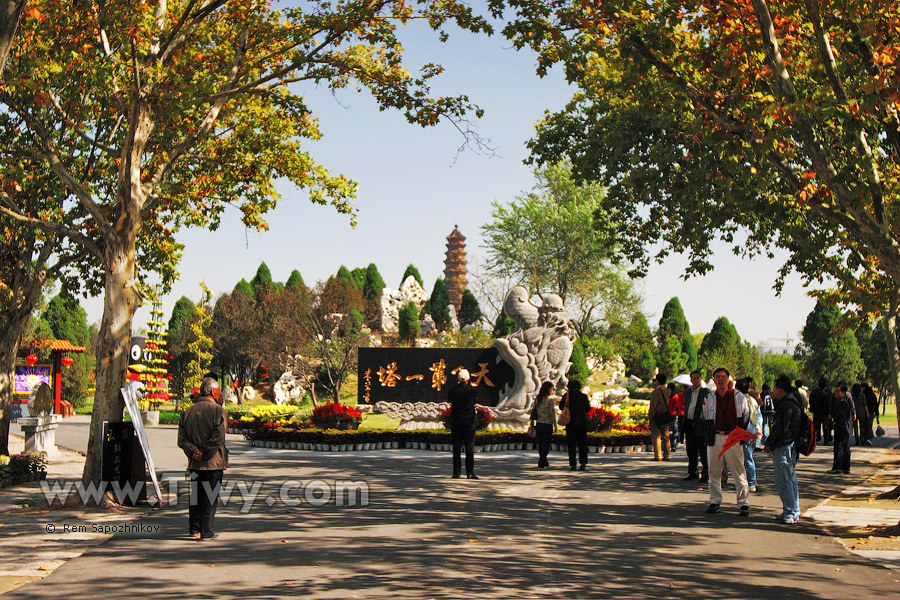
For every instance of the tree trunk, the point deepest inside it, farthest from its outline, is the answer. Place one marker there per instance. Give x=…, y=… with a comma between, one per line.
x=10, y=12
x=120, y=302
x=893, y=353
x=9, y=348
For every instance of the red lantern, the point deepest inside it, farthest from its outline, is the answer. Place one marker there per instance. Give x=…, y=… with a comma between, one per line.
x=68, y=361
x=31, y=359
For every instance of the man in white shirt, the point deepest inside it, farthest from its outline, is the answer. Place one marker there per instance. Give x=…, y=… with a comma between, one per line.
x=725, y=410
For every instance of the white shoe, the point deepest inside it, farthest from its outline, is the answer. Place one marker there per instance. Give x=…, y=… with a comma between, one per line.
x=753, y=489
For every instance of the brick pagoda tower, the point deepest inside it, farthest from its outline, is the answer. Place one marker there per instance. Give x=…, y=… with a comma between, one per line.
x=455, y=267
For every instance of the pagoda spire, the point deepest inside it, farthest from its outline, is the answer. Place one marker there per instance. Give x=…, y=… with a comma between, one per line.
x=455, y=267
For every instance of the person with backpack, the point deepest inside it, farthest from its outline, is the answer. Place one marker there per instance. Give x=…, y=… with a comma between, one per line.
x=843, y=412
x=782, y=443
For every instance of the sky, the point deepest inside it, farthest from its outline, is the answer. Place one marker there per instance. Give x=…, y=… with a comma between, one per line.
x=415, y=186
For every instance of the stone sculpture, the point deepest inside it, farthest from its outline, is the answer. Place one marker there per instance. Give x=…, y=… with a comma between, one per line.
x=538, y=351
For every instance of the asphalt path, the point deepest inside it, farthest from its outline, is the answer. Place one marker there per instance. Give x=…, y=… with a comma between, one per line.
x=628, y=527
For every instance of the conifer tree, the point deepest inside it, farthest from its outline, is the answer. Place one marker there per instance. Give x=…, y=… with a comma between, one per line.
x=503, y=326
x=261, y=282
x=408, y=323
x=412, y=270
x=373, y=284
x=469, y=311
x=439, y=305
x=579, y=369
x=294, y=282
x=242, y=287
x=828, y=349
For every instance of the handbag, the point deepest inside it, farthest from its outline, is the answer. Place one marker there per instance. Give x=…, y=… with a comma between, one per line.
x=663, y=419
x=531, y=431
x=565, y=416
x=880, y=430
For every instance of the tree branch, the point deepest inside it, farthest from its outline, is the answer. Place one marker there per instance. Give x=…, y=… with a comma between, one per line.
x=56, y=228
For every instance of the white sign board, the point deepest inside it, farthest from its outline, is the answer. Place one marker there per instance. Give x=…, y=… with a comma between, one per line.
x=129, y=394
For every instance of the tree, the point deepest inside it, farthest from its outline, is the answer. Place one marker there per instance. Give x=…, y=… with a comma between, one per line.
x=332, y=340
x=179, y=335
x=670, y=359
x=295, y=282
x=156, y=115
x=261, y=284
x=873, y=351
x=672, y=322
x=646, y=365
x=372, y=286
x=408, y=323
x=504, y=326
x=469, y=311
x=723, y=347
x=778, y=118
x=827, y=348
x=200, y=346
x=68, y=321
x=631, y=342
x=439, y=305
x=556, y=239
x=411, y=270
x=579, y=369
x=244, y=287
x=359, y=276
x=690, y=351
x=775, y=365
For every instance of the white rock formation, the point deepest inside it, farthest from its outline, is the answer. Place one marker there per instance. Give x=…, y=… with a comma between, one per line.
x=288, y=387
x=230, y=396
x=248, y=393
x=393, y=300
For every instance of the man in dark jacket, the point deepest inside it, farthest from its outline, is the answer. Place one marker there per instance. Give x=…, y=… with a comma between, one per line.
x=843, y=413
x=782, y=443
x=695, y=428
x=201, y=434
x=462, y=398
x=819, y=401
x=576, y=429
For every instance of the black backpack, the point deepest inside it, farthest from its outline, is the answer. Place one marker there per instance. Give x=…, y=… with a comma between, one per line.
x=806, y=440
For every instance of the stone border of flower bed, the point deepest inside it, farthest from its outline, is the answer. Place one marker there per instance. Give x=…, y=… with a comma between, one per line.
x=343, y=441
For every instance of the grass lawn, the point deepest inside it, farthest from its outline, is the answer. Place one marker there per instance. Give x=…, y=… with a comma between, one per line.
x=378, y=421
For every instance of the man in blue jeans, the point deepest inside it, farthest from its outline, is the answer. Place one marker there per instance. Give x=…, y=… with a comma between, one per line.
x=781, y=442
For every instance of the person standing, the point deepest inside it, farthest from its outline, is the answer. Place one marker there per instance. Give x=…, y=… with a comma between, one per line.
x=844, y=414
x=819, y=402
x=201, y=435
x=695, y=428
x=543, y=419
x=767, y=408
x=871, y=412
x=676, y=407
x=782, y=444
x=576, y=429
x=753, y=426
x=724, y=411
x=801, y=395
x=462, y=421
x=862, y=413
x=659, y=405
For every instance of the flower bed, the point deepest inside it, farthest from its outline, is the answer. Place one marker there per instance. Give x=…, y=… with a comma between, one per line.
x=304, y=437
x=22, y=468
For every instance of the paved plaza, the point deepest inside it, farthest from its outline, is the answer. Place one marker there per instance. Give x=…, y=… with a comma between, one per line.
x=628, y=527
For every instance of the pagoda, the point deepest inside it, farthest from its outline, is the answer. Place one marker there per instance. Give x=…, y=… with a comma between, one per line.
x=455, y=267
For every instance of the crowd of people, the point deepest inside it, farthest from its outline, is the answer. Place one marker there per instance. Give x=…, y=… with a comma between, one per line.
x=721, y=426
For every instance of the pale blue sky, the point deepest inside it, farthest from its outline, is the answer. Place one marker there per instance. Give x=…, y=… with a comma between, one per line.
x=413, y=188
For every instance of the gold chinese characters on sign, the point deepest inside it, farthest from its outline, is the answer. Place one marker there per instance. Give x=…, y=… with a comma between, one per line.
x=389, y=375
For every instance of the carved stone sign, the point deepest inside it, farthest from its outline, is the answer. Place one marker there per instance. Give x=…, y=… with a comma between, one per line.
x=41, y=401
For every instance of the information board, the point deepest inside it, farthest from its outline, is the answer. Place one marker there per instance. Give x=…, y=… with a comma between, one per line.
x=129, y=394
